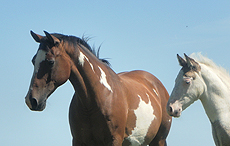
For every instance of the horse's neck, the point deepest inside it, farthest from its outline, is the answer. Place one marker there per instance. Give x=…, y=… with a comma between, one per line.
x=89, y=76
x=216, y=99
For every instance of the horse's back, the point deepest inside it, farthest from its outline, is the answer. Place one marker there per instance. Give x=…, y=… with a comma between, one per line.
x=146, y=98
x=147, y=80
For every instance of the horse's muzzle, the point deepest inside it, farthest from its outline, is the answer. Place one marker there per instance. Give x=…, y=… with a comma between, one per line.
x=34, y=104
x=174, y=110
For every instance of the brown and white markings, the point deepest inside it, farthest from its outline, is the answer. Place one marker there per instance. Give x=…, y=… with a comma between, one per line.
x=107, y=108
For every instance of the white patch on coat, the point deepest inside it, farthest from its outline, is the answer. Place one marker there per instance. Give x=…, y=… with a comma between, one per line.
x=155, y=92
x=91, y=65
x=103, y=80
x=41, y=56
x=82, y=58
x=144, y=117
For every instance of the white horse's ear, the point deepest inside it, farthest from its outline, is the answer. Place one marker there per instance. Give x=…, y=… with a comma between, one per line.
x=181, y=61
x=189, y=63
x=36, y=37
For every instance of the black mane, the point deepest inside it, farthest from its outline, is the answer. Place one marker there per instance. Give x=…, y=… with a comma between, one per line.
x=83, y=41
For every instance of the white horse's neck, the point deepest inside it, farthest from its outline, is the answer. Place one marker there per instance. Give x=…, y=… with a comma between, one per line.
x=216, y=98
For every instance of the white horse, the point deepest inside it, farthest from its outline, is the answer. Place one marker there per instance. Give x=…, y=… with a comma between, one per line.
x=201, y=79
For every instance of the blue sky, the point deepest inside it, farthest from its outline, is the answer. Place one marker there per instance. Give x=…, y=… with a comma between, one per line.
x=144, y=35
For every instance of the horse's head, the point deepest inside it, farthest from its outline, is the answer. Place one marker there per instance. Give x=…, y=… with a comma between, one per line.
x=51, y=69
x=189, y=86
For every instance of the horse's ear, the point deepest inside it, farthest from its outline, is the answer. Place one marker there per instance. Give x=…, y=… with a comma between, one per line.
x=188, y=59
x=181, y=61
x=53, y=40
x=36, y=37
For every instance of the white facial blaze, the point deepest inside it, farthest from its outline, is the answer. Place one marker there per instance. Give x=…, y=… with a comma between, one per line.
x=41, y=56
x=103, y=80
x=143, y=121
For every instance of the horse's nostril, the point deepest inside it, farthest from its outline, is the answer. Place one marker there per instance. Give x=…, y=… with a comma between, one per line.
x=176, y=113
x=34, y=103
x=170, y=109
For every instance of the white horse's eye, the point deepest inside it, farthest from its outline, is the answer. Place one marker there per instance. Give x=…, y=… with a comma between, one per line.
x=187, y=79
x=187, y=82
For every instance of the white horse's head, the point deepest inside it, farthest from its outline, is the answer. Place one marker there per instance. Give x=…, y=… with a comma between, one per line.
x=189, y=86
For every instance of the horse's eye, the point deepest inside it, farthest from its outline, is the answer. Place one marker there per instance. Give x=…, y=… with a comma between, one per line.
x=50, y=62
x=187, y=82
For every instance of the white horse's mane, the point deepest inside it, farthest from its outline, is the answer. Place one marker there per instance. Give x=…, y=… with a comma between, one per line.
x=219, y=70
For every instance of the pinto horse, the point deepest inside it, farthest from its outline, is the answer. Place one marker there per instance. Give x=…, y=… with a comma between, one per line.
x=107, y=108
x=201, y=79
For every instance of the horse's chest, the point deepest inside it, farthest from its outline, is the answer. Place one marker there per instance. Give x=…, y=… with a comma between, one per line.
x=88, y=129
x=91, y=131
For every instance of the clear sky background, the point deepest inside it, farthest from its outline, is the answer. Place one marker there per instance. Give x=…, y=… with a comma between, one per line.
x=144, y=35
